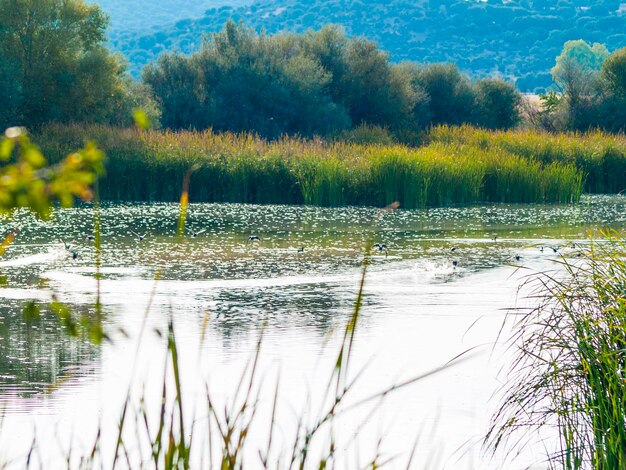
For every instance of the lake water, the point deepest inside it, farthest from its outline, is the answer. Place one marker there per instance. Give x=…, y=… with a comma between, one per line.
x=298, y=285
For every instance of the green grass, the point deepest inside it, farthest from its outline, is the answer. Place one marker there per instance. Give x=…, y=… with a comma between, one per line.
x=600, y=156
x=569, y=372
x=148, y=166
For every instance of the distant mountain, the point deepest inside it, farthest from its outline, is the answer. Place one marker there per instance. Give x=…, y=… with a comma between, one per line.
x=143, y=17
x=516, y=39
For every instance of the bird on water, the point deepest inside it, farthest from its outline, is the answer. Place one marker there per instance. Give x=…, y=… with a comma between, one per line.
x=254, y=238
x=194, y=234
x=140, y=238
x=69, y=247
x=382, y=247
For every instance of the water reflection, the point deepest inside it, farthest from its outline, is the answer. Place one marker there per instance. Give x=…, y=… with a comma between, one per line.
x=293, y=307
x=291, y=279
x=421, y=297
x=37, y=355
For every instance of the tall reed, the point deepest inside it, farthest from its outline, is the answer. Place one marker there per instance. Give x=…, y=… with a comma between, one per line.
x=147, y=166
x=599, y=155
x=569, y=374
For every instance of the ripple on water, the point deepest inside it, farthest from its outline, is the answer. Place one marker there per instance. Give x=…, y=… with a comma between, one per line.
x=244, y=285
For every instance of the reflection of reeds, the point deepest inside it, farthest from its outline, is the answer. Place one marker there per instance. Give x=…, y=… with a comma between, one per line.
x=244, y=168
x=569, y=371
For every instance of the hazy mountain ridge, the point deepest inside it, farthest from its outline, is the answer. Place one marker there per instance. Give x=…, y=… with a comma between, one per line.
x=132, y=17
x=515, y=39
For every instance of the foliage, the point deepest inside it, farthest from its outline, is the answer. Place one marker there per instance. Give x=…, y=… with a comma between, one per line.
x=599, y=155
x=497, y=103
x=517, y=40
x=578, y=61
x=318, y=83
x=240, y=81
x=614, y=72
x=450, y=94
x=26, y=180
x=365, y=135
x=592, y=85
x=568, y=375
x=54, y=65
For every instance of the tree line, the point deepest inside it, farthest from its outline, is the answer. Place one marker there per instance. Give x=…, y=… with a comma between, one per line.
x=55, y=67
x=320, y=83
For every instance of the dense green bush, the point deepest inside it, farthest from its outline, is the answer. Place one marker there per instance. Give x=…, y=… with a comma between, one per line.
x=318, y=83
x=54, y=65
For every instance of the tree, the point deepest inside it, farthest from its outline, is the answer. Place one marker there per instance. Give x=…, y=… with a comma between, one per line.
x=420, y=114
x=614, y=72
x=576, y=74
x=497, y=104
x=612, y=101
x=10, y=91
x=174, y=82
x=241, y=81
x=55, y=64
x=450, y=92
x=373, y=91
x=579, y=55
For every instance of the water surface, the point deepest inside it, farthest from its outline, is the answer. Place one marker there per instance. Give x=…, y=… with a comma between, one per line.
x=298, y=284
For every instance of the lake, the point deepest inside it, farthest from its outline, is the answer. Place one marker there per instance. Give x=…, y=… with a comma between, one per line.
x=442, y=288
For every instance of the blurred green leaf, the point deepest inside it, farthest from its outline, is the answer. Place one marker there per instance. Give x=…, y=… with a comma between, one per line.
x=6, y=149
x=141, y=118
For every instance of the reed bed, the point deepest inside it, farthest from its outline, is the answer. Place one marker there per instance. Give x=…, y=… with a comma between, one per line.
x=569, y=371
x=599, y=155
x=149, y=165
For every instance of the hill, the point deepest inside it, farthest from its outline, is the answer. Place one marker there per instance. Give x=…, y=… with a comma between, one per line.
x=516, y=39
x=132, y=17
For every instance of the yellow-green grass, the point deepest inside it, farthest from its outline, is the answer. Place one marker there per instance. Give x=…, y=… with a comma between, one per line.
x=148, y=166
x=600, y=156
